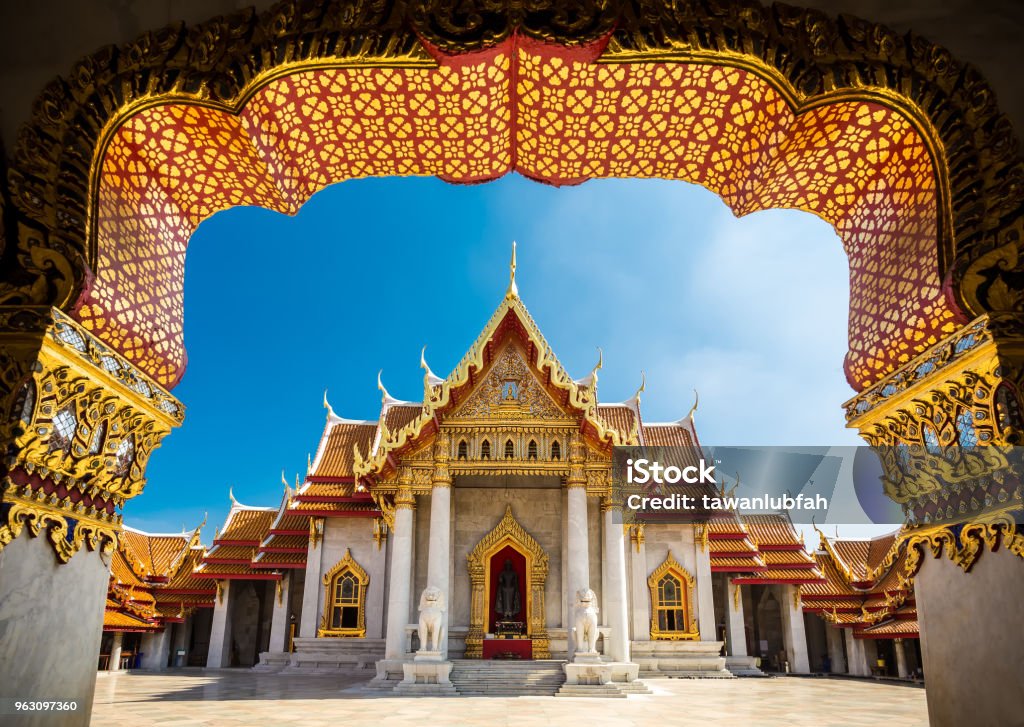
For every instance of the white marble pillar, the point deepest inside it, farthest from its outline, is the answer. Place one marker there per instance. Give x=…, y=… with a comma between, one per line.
x=793, y=633
x=641, y=594
x=735, y=630
x=279, y=621
x=834, y=637
x=219, y=655
x=439, y=553
x=115, y=652
x=312, y=596
x=901, y=658
x=615, y=604
x=182, y=632
x=155, y=649
x=578, y=546
x=870, y=655
x=854, y=655
x=399, y=586
x=705, y=590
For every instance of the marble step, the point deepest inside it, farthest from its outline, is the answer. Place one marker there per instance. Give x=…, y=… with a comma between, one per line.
x=507, y=678
x=611, y=691
x=634, y=687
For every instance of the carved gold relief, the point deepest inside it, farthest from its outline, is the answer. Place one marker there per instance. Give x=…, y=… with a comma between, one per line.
x=946, y=426
x=81, y=424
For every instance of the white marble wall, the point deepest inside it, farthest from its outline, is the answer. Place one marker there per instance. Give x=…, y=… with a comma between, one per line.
x=972, y=639
x=51, y=623
x=355, y=534
x=156, y=649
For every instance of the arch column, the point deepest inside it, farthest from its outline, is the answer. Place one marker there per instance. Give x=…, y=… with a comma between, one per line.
x=439, y=555
x=399, y=584
x=615, y=598
x=948, y=429
x=577, y=534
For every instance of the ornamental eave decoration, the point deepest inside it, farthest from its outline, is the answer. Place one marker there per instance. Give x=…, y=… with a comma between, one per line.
x=347, y=563
x=671, y=566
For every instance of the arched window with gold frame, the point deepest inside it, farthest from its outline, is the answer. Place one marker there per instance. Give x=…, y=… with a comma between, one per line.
x=672, y=614
x=344, y=599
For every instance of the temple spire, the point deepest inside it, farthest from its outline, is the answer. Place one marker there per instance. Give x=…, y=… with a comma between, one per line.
x=513, y=291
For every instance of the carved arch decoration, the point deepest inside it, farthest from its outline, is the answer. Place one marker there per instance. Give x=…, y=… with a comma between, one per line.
x=671, y=567
x=346, y=566
x=931, y=167
x=508, y=532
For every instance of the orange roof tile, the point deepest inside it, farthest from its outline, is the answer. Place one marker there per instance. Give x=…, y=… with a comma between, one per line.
x=120, y=621
x=804, y=575
x=157, y=554
x=219, y=553
x=335, y=458
x=617, y=416
x=247, y=524
x=399, y=415
x=786, y=557
x=771, y=530
x=272, y=560
x=325, y=489
x=667, y=435
x=890, y=629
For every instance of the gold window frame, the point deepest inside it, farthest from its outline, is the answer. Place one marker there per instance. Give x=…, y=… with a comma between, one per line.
x=347, y=565
x=672, y=567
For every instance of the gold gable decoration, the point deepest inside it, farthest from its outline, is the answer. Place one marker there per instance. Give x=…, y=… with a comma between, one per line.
x=509, y=391
x=672, y=567
x=347, y=565
x=508, y=532
x=579, y=397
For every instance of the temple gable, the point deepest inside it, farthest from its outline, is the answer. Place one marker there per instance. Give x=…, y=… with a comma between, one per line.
x=510, y=390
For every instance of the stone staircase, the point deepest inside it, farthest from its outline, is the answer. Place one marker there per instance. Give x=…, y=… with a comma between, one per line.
x=505, y=678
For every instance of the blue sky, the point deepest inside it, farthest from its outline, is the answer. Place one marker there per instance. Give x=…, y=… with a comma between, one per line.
x=751, y=312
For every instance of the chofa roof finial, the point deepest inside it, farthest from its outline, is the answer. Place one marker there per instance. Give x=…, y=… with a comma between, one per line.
x=513, y=291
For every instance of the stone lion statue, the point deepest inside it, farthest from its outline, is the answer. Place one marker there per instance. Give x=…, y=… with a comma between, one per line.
x=585, y=629
x=432, y=608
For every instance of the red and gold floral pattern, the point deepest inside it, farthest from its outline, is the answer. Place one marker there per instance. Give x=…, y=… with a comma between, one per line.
x=859, y=165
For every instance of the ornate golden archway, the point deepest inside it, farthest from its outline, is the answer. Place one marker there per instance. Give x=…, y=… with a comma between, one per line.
x=508, y=532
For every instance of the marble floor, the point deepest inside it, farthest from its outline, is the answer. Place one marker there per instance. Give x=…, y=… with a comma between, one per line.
x=226, y=698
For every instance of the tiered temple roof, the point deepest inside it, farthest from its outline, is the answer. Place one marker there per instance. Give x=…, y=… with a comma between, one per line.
x=866, y=587
x=237, y=545
x=760, y=548
x=152, y=581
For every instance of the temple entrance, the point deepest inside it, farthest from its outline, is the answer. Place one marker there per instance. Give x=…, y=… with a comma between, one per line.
x=507, y=570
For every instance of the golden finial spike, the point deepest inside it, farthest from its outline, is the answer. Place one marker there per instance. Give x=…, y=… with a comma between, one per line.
x=696, y=401
x=643, y=386
x=513, y=291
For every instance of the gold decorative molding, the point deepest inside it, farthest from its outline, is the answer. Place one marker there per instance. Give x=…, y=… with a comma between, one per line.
x=54, y=523
x=316, y=531
x=636, y=534
x=80, y=423
x=671, y=566
x=945, y=425
x=508, y=532
x=347, y=565
x=963, y=545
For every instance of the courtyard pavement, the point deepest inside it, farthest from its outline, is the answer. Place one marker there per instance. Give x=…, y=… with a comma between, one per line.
x=226, y=698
